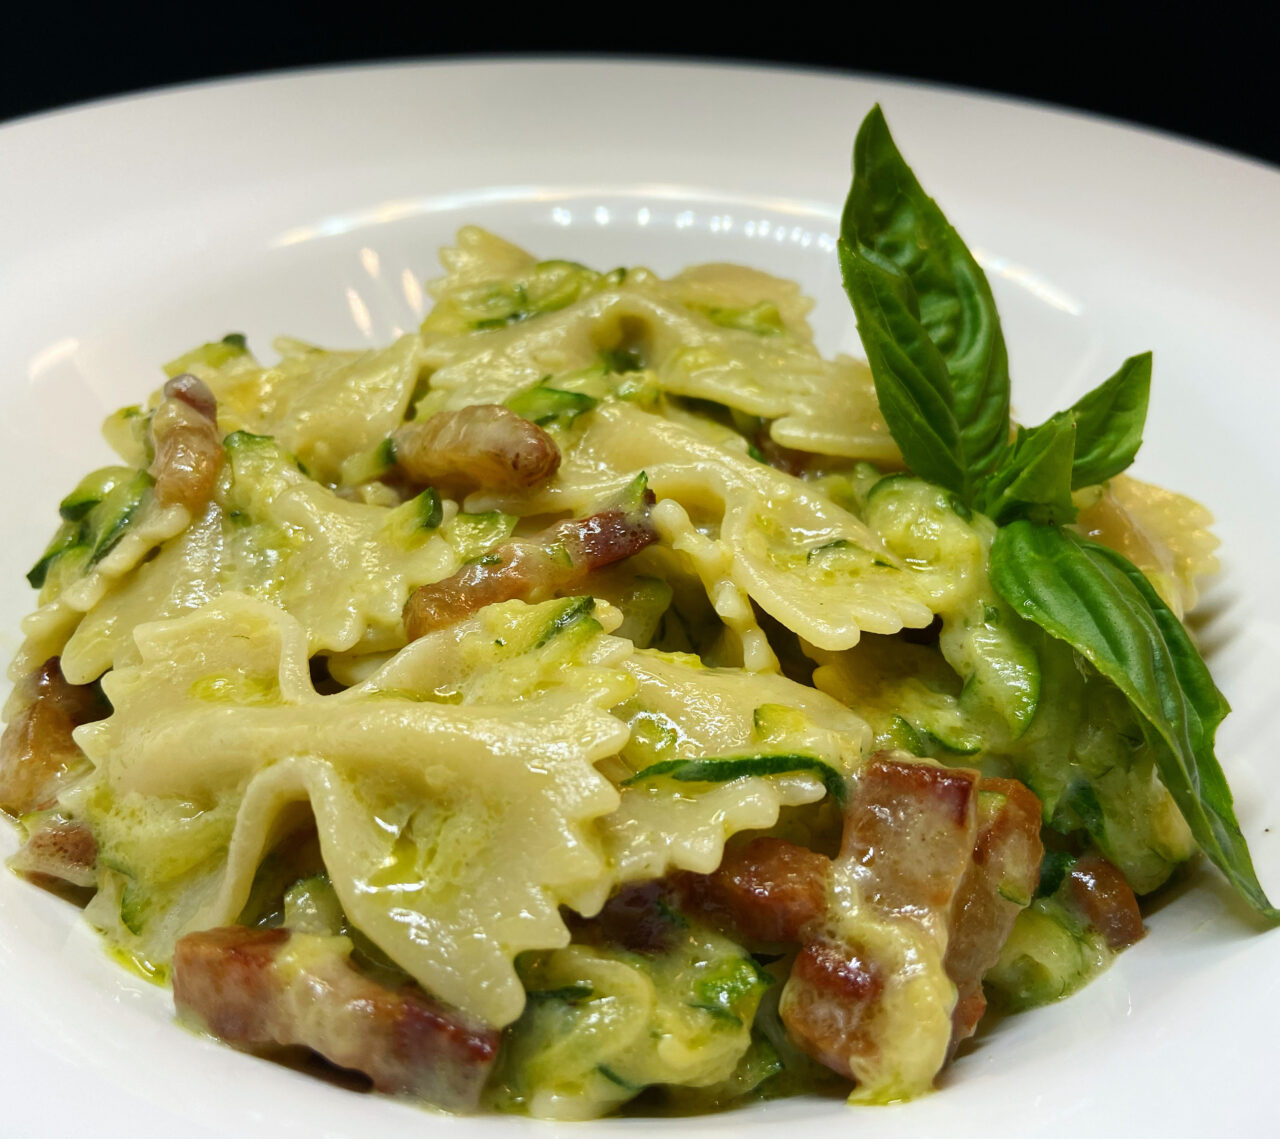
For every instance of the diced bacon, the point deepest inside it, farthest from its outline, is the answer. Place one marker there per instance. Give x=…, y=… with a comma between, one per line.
x=1000, y=881
x=909, y=831
x=942, y=848
x=638, y=917
x=37, y=754
x=779, y=457
x=517, y=569
x=189, y=451
x=909, y=837
x=601, y=539
x=1098, y=890
x=267, y=988
x=768, y=891
x=532, y=569
x=829, y=1004
x=59, y=850
x=195, y=393
x=482, y=446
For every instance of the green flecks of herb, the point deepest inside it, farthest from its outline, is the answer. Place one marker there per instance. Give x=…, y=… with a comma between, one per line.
x=674, y=916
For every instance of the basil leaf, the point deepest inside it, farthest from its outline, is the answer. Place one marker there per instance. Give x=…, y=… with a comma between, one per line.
x=891, y=223
x=912, y=384
x=1109, y=422
x=1102, y=606
x=724, y=770
x=1033, y=477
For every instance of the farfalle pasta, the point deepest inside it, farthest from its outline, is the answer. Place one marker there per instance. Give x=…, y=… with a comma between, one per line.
x=598, y=699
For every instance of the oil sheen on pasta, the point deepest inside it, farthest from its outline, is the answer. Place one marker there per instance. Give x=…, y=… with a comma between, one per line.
x=468, y=813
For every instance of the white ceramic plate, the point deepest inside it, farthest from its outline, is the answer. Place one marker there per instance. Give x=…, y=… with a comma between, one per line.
x=313, y=204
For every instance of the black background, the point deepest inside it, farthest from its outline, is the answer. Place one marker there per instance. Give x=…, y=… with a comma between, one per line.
x=1211, y=74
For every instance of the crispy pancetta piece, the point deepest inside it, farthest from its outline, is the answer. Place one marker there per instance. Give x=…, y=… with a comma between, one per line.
x=767, y=892
x=909, y=837
x=998, y=884
x=37, y=754
x=189, y=451
x=484, y=446
x=1098, y=892
x=636, y=918
x=58, y=850
x=830, y=1002
x=554, y=562
x=268, y=988
x=909, y=832
x=942, y=847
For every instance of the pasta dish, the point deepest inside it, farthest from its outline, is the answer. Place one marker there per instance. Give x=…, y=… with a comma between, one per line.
x=597, y=699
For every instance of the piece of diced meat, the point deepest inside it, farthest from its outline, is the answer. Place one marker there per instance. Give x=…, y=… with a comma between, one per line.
x=603, y=538
x=189, y=452
x=37, y=754
x=939, y=848
x=948, y=852
x=264, y=988
x=515, y=570
x=999, y=883
x=830, y=1004
x=638, y=917
x=909, y=831
x=195, y=393
x=909, y=836
x=767, y=891
x=530, y=569
x=484, y=446
x=58, y=850
x=1102, y=897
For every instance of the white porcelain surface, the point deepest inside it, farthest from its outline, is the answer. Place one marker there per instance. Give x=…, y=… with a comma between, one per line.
x=313, y=204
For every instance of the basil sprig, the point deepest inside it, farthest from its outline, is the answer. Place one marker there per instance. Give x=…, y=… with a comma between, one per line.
x=929, y=325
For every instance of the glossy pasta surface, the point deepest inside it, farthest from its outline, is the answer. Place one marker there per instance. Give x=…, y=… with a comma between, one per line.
x=581, y=684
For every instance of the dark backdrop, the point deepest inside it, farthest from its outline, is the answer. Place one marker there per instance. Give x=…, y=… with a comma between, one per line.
x=1211, y=75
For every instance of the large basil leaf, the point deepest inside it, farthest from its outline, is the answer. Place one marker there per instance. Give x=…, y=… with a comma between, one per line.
x=1109, y=422
x=1099, y=603
x=943, y=311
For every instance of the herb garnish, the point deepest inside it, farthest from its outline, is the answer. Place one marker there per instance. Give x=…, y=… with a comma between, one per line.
x=932, y=336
